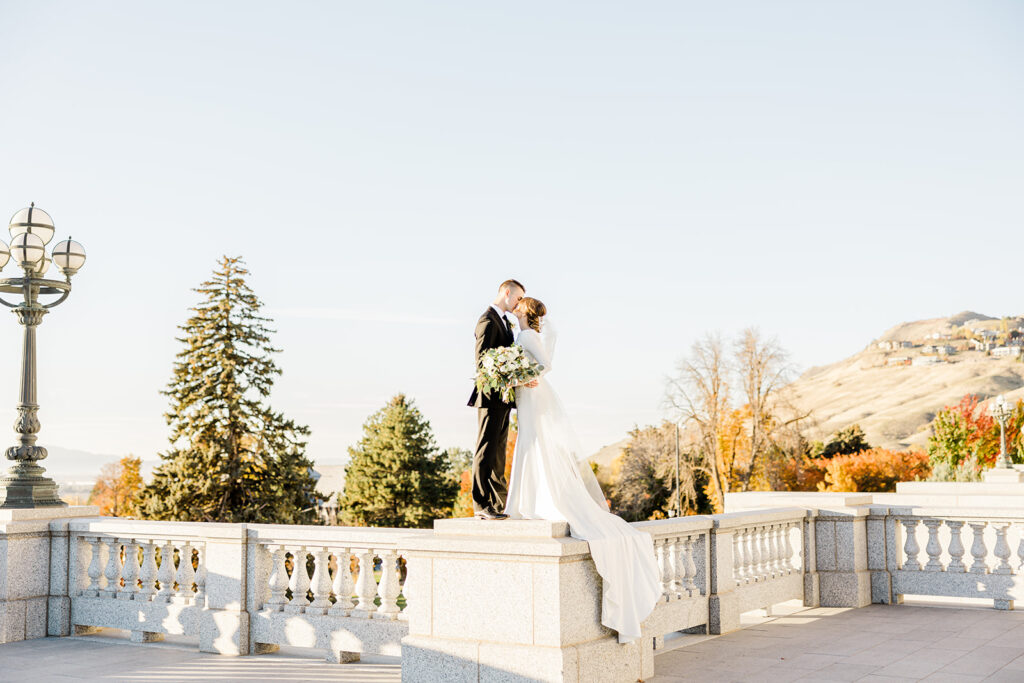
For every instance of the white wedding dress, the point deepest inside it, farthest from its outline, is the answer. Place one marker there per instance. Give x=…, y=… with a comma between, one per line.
x=551, y=479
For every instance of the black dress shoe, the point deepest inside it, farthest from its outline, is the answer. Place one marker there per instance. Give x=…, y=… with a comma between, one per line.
x=490, y=513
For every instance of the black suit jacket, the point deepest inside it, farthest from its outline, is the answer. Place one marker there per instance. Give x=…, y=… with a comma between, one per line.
x=491, y=333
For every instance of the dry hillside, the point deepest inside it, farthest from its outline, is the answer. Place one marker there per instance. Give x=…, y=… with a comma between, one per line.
x=894, y=387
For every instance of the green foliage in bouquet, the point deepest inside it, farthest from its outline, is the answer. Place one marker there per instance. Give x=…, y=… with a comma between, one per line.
x=505, y=367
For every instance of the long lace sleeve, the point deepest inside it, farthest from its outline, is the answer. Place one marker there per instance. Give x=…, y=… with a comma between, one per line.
x=534, y=344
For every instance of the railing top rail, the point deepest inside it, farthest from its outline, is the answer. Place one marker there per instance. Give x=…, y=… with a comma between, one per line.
x=288, y=534
x=732, y=520
x=675, y=525
x=989, y=514
x=143, y=529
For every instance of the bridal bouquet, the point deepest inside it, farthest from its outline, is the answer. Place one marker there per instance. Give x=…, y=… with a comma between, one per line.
x=505, y=367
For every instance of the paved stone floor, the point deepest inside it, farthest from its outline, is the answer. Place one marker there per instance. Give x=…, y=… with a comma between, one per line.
x=877, y=643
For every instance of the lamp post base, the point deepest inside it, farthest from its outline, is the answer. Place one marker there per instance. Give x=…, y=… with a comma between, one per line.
x=25, y=486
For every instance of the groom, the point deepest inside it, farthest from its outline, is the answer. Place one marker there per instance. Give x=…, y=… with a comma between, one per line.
x=493, y=330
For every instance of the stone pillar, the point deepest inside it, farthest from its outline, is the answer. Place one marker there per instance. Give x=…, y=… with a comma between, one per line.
x=723, y=609
x=809, y=561
x=224, y=620
x=33, y=573
x=881, y=548
x=841, y=550
x=515, y=600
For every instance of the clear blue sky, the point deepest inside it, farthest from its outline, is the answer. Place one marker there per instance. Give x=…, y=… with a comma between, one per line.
x=650, y=170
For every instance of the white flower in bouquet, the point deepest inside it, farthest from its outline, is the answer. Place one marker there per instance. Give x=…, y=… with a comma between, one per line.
x=503, y=368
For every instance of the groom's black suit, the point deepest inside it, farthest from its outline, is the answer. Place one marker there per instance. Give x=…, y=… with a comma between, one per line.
x=489, y=485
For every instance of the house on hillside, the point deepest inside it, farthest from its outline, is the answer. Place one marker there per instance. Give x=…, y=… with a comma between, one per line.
x=330, y=482
x=979, y=345
x=894, y=345
x=898, y=360
x=939, y=349
x=926, y=360
x=1006, y=351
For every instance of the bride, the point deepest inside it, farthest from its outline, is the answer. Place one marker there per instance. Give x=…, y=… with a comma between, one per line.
x=552, y=480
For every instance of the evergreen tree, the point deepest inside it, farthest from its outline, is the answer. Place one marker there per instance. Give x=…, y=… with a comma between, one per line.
x=848, y=441
x=396, y=476
x=232, y=458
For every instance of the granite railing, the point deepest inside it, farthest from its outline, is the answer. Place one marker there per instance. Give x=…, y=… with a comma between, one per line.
x=307, y=586
x=319, y=587
x=682, y=547
x=470, y=599
x=147, y=578
x=946, y=552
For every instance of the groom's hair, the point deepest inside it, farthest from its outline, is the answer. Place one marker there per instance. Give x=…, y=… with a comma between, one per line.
x=511, y=283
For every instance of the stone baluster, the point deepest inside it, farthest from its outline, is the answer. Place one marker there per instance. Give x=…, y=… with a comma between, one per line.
x=278, y=581
x=389, y=585
x=663, y=570
x=113, y=569
x=186, y=572
x=366, y=585
x=130, y=573
x=910, y=547
x=787, y=548
x=321, y=582
x=96, y=579
x=753, y=555
x=342, y=585
x=299, y=582
x=1020, y=550
x=675, y=563
x=978, y=549
x=201, y=575
x=1002, y=549
x=766, y=552
x=956, y=547
x=147, y=572
x=773, y=545
x=739, y=567
x=166, y=572
x=690, y=567
x=933, y=548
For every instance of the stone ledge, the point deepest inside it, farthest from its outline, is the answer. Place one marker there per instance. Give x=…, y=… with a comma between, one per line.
x=488, y=528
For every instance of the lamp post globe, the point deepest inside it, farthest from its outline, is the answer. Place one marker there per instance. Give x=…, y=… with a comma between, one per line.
x=68, y=256
x=26, y=249
x=34, y=221
x=25, y=484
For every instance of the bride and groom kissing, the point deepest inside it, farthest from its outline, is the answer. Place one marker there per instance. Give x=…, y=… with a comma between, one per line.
x=551, y=477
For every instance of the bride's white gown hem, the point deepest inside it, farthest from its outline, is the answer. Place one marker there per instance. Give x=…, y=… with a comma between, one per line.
x=551, y=480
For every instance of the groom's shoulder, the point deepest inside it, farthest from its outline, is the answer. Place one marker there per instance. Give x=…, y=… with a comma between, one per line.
x=486, y=316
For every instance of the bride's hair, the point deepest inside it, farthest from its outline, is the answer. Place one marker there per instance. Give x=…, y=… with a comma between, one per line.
x=533, y=309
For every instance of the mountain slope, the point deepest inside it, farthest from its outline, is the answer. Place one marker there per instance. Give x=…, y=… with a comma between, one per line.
x=894, y=400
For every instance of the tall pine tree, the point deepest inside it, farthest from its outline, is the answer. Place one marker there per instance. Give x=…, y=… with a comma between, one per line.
x=232, y=458
x=396, y=476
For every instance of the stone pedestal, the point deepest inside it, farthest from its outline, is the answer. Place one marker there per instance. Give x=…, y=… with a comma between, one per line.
x=510, y=600
x=34, y=599
x=998, y=475
x=224, y=620
x=841, y=550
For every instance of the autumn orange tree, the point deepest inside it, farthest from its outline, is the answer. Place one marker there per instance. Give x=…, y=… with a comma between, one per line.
x=118, y=487
x=875, y=469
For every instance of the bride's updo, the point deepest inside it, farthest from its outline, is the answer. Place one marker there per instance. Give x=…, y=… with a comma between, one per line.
x=533, y=309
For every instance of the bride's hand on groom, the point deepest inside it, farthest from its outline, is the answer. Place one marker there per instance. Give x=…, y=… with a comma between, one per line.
x=531, y=384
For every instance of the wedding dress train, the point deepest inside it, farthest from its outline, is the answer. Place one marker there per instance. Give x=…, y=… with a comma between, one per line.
x=552, y=480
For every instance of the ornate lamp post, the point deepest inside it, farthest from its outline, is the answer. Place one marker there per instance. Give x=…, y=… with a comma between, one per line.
x=1002, y=413
x=24, y=485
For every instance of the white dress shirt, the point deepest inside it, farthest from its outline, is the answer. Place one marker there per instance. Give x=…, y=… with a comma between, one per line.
x=512, y=321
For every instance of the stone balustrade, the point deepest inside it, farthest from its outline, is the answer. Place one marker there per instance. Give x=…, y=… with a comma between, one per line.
x=474, y=600
x=336, y=589
x=947, y=552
